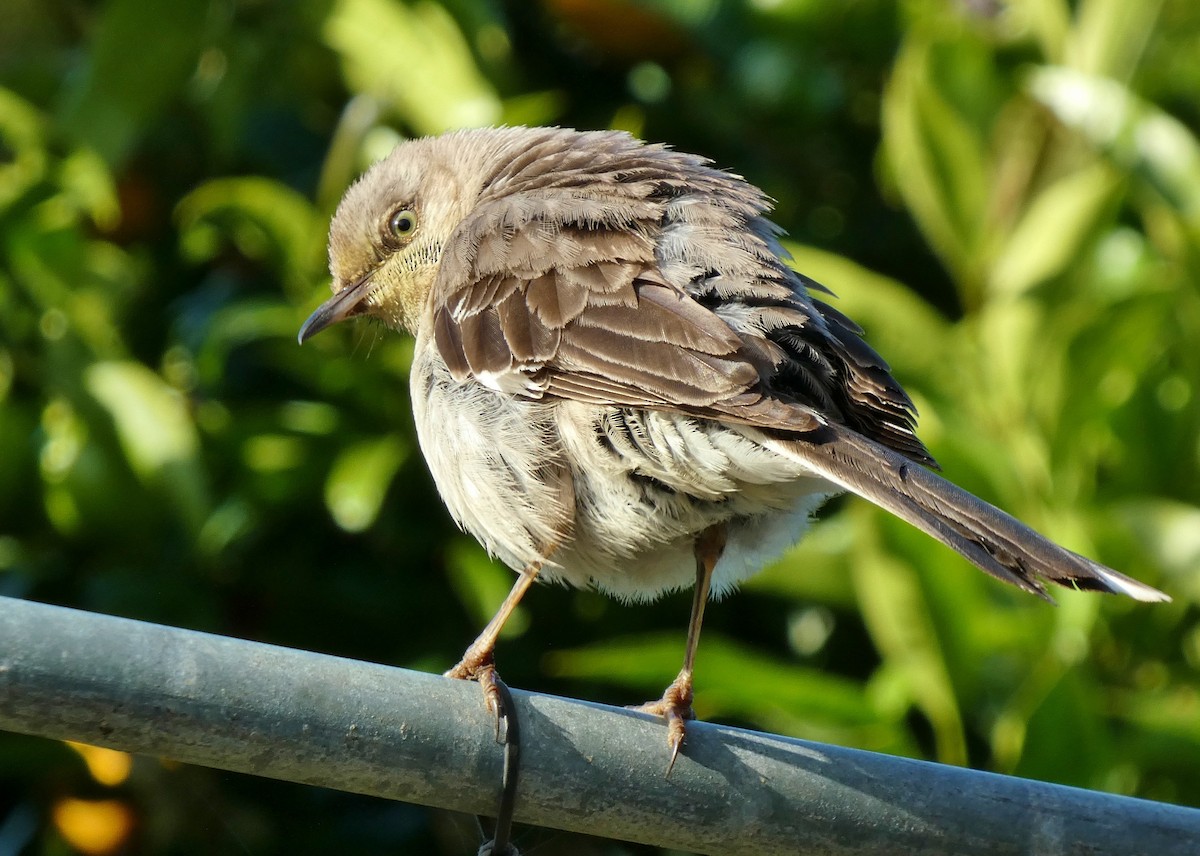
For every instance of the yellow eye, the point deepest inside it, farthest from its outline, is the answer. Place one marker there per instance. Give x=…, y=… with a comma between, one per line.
x=403, y=223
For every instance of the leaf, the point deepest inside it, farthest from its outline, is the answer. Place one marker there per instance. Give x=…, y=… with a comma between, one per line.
x=1169, y=532
x=21, y=137
x=1170, y=712
x=901, y=623
x=1050, y=23
x=482, y=584
x=359, y=480
x=1110, y=36
x=937, y=158
x=141, y=54
x=264, y=218
x=155, y=430
x=86, y=180
x=238, y=324
x=1067, y=741
x=1054, y=228
x=1135, y=134
x=415, y=58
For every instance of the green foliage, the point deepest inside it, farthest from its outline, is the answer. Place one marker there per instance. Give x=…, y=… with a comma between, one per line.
x=1006, y=196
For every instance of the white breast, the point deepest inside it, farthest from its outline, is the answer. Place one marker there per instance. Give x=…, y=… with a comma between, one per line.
x=604, y=496
x=495, y=460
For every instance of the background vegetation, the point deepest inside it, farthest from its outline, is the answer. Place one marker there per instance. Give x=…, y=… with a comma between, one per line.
x=1005, y=194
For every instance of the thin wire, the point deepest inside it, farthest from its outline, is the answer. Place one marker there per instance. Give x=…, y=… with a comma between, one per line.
x=506, y=721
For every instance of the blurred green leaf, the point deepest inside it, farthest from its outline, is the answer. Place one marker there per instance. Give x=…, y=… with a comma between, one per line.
x=140, y=56
x=1110, y=36
x=1053, y=228
x=1167, y=712
x=86, y=180
x=150, y=417
x=534, y=108
x=482, y=585
x=414, y=57
x=937, y=158
x=1050, y=21
x=156, y=433
x=1138, y=136
x=21, y=129
x=901, y=624
x=243, y=323
x=1170, y=532
x=359, y=480
x=228, y=523
x=265, y=220
x=1064, y=741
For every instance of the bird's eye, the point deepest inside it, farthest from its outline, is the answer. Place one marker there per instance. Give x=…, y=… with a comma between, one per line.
x=403, y=223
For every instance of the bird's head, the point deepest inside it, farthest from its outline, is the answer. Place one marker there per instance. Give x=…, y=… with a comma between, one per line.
x=396, y=227
x=389, y=232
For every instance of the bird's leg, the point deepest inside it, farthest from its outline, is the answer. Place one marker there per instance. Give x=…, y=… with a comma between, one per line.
x=676, y=703
x=477, y=663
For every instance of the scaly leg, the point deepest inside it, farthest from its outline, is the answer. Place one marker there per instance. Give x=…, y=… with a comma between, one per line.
x=676, y=703
x=478, y=661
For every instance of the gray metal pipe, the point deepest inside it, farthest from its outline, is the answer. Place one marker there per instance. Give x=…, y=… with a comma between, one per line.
x=420, y=738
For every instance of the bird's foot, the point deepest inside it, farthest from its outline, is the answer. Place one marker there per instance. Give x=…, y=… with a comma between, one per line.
x=675, y=707
x=478, y=665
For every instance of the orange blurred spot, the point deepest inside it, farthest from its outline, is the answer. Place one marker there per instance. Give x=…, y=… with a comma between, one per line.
x=621, y=29
x=94, y=827
x=107, y=766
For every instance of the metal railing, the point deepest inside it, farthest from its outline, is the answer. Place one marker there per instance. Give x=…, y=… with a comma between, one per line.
x=420, y=738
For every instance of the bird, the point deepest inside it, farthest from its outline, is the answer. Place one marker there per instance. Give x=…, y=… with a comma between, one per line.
x=620, y=383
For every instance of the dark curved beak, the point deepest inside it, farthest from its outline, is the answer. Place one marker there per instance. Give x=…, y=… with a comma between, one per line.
x=345, y=304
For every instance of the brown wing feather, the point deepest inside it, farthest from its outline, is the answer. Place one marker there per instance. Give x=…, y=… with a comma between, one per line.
x=653, y=347
x=661, y=286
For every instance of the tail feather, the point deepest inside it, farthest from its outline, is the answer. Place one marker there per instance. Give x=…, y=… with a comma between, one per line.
x=994, y=541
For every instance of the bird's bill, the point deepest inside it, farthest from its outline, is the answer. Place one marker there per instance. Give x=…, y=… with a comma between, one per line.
x=345, y=304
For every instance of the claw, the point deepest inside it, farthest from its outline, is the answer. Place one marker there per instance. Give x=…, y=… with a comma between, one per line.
x=676, y=743
x=478, y=666
x=675, y=707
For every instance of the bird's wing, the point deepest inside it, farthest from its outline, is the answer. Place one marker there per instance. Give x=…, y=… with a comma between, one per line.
x=582, y=311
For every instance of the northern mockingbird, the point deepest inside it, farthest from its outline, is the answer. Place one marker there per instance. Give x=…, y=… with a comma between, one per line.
x=619, y=383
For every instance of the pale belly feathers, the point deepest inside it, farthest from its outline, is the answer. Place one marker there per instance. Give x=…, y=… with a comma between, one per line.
x=606, y=497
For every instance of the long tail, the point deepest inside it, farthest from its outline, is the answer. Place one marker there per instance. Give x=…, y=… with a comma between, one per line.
x=994, y=541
